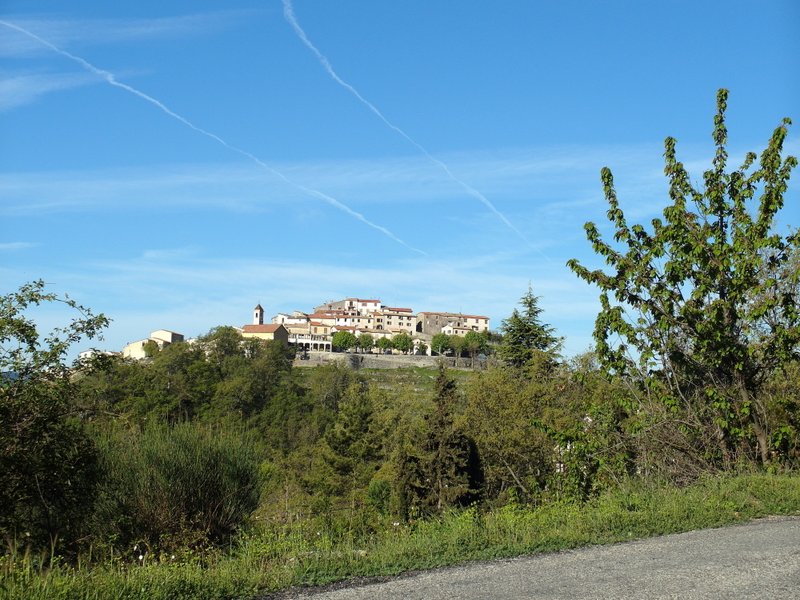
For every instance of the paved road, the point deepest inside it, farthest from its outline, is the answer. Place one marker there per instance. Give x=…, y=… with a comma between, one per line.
x=757, y=560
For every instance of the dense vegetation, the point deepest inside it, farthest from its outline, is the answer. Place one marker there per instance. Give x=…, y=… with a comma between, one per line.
x=221, y=469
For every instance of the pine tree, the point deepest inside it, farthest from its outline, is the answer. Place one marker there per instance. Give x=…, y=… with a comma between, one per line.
x=525, y=336
x=452, y=467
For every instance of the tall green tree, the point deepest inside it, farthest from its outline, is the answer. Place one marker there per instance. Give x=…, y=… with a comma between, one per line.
x=439, y=467
x=693, y=297
x=348, y=448
x=455, y=470
x=524, y=334
x=48, y=463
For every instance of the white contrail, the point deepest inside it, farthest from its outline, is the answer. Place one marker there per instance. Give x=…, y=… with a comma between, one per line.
x=111, y=79
x=288, y=13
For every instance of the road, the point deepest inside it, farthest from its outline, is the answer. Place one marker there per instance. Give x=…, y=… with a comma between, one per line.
x=756, y=560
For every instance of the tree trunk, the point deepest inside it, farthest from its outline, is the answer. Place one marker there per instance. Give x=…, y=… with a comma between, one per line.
x=758, y=428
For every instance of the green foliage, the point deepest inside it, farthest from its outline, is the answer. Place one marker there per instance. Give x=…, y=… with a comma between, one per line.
x=272, y=559
x=442, y=469
x=220, y=378
x=384, y=344
x=365, y=342
x=344, y=340
x=500, y=418
x=169, y=488
x=150, y=348
x=255, y=384
x=348, y=448
x=457, y=345
x=440, y=343
x=475, y=343
x=402, y=342
x=552, y=432
x=525, y=336
x=707, y=314
x=48, y=464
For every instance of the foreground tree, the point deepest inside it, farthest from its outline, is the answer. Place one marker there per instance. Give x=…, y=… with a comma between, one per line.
x=695, y=300
x=439, y=467
x=48, y=464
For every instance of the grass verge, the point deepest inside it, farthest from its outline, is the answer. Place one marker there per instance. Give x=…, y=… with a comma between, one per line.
x=269, y=560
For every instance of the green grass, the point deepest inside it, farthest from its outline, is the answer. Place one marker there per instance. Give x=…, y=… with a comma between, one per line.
x=272, y=559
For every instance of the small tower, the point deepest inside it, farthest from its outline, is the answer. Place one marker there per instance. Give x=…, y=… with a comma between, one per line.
x=258, y=315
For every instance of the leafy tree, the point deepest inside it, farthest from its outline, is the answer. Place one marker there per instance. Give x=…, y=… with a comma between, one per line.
x=384, y=344
x=365, y=342
x=256, y=383
x=440, y=343
x=474, y=343
x=707, y=314
x=223, y=346
x=344, y=340
x=402, y=342
x=150, y=348
x=524, y=334
x=457, y=344
x=180, y=381
x=499, y=418
x=48, y=464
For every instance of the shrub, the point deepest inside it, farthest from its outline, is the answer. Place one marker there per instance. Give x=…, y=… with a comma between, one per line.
x=186, y=485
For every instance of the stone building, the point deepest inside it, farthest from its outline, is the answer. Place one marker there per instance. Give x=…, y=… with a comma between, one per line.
x=431, y=323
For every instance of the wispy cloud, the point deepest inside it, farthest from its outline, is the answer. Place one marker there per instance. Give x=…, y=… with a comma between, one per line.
x=288, y=12
x=167, y=254
x=111, y=79
x=19, y=90
x=12, y=246
x=87, y=32
x=528, y=177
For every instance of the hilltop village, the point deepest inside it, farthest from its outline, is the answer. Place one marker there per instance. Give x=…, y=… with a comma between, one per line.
x=315, y=331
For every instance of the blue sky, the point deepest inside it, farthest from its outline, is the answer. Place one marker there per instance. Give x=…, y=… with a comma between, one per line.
x=228, y=166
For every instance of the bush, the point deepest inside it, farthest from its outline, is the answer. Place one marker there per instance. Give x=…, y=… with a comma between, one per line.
x=48, y=464
x=181, y=486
